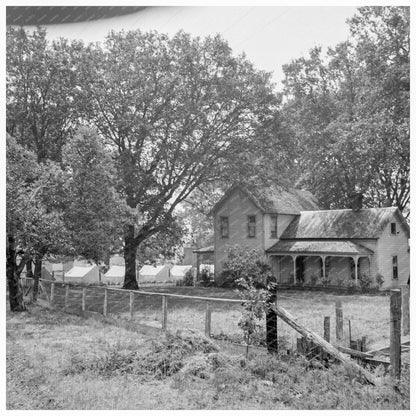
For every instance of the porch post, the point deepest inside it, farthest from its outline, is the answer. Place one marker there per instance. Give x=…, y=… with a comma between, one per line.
x=323, y=258
x=356, y=270
x=198, y=263
x=294, y=269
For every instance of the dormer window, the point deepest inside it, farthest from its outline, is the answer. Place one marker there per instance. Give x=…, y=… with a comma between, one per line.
x=251, y=226
x=393, y=228
x=273, y=226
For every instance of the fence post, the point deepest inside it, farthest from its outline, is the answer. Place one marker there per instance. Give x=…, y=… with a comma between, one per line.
x=131, y=305
x=339, y=328
x=66, y=297
x=164, y=313
x=52, y=294
x=105, y=302
x=208, y=319
x=405, y=310
x=395, y=324
x=327, y=328
x=84, y=293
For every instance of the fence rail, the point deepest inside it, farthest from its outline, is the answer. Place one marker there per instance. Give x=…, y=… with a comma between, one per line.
x=206, y=313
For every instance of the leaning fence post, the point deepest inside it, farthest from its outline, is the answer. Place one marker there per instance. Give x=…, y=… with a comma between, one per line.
x=208, y=319
x=105, y=302
x=405, y=310
x=339, y=328
x=131, y=305
x=164, y=313
x=395, y=328
x=66, y=297
x=327, y=328
x=52, y=294
x=84, y=293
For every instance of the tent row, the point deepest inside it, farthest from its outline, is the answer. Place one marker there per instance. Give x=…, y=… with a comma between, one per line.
x=89, y=274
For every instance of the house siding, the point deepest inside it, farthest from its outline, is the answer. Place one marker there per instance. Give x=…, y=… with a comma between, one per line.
x=237, y=207
x=393, y=245
x=283, y=220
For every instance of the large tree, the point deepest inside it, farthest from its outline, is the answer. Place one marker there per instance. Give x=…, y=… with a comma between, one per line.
x=41, y=90
x=348, y=111
x=33, y=219
x=178, y=112
x=94, y=213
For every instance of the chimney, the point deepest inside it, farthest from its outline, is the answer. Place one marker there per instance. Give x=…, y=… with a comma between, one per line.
x=356, y=201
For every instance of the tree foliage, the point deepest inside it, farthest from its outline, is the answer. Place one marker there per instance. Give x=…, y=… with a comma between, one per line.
x=41, y=91
x=177, y=112
x=94, y=213
x=349, y=112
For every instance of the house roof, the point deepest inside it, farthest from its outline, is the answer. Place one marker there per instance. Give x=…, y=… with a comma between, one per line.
x=313, y=246
x=342, y=224
x=274, y=199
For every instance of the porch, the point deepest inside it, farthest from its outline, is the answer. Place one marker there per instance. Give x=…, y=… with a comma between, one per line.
x=339, y=263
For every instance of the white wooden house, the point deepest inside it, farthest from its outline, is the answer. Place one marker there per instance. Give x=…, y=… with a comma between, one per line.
x=304, y=243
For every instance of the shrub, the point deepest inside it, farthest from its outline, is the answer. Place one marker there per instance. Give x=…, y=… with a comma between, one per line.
x=365, y=281
x=188, y=279
x=206, y=277
x=379, y=280
x=243, y=263
x=314, y=279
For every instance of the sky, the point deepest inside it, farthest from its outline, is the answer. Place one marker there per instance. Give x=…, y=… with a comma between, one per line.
x=270, y=36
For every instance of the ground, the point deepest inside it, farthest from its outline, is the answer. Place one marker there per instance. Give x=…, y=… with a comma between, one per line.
x=62, y=361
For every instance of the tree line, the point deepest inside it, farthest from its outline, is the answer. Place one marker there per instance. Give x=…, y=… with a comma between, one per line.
x=106, y=141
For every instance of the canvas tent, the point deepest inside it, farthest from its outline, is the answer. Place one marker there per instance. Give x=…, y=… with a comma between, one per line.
x=154, y=274
x=114, y=275
x=82, y=275
x=178, y=272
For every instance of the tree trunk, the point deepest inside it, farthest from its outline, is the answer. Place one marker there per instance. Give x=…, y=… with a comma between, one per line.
x=15, y=289
x=36, y=277
x=130, y=281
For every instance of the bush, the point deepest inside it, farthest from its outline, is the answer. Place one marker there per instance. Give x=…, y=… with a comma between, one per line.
x=243, y=263
x=365, y=281
x=379, y=280
x=188, y=279
x=206, y=278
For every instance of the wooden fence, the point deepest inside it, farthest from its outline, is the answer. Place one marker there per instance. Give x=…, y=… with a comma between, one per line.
x=399, y=319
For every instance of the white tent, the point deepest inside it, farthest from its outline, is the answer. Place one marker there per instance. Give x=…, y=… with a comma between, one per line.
x=150, y=274
x=178, y=272
x=83, y=275
x=114, y=275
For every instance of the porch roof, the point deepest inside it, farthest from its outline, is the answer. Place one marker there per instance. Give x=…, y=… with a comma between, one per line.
x=313, y=246
x=209, y=249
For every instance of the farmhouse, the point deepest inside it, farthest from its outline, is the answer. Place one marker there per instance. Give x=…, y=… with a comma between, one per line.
x=307, y=245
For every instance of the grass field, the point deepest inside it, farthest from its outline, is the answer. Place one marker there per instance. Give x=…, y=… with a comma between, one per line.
x=61, y=361
x=367, y=315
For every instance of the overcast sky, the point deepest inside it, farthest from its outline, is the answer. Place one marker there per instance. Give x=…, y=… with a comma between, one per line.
x=270, y=36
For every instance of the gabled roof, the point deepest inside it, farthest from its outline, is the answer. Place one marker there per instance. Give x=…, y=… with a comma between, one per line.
x=274, y=200
x=328, y=246
x=342, y=224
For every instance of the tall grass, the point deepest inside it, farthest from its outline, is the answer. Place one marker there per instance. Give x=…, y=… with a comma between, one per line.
x=57, y=361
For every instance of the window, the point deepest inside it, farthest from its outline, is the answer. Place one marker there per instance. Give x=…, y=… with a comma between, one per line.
x=224, y=229
x=395, y=268
x=273, y=226
x=251, y=225
x=393, y=228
